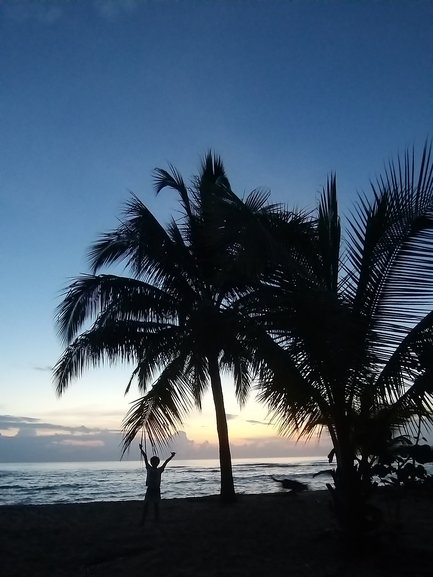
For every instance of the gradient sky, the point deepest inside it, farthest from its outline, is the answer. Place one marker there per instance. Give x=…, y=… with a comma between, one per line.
x=95, y=94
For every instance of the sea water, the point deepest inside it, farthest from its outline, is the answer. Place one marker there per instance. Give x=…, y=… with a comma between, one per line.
x=49, y=483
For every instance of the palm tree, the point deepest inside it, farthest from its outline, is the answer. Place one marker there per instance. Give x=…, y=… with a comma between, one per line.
x=174, y=316
x=352, y=342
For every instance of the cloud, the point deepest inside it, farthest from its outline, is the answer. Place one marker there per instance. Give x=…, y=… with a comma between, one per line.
x=189, y=449
x=254, y=422
x=33, y=440
x=9, y=421
x=30, y=432
x=279, y=447
x=31, y=425
x=81, y=443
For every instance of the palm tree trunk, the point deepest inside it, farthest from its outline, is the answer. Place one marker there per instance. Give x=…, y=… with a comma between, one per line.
x=228, y=494
x=347, y=490
x=350, y=495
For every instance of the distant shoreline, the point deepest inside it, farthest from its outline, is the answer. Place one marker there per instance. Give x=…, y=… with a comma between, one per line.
x=277, y=533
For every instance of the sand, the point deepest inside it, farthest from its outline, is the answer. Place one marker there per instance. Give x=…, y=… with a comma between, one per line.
x=277, y=534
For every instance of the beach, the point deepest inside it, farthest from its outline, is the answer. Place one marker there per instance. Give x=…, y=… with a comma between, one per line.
x=272, y=534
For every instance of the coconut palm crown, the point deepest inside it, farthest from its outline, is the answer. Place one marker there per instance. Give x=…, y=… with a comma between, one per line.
x=173, y=316
x=354, y=347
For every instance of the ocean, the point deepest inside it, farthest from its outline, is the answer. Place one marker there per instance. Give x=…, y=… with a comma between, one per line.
x=49, y=483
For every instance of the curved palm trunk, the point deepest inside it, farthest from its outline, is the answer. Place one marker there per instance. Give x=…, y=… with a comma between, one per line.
x=228, y=494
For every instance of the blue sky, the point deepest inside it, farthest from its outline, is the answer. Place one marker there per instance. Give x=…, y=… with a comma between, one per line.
x=96, y=94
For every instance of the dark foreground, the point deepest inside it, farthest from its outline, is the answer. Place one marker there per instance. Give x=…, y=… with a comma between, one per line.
x=278, y=535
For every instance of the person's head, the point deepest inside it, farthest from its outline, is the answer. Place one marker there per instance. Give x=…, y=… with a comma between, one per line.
x=154, y=461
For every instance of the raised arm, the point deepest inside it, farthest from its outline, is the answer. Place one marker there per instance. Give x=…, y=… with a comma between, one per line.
x=165, y=463
x=146, y=462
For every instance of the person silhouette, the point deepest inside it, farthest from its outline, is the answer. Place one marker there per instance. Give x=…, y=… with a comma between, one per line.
x=153, y=483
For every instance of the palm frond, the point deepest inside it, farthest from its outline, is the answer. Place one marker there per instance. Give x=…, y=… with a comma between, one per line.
x=291, y=410
x=409, y=361
x=212, y=173
x=391, y=237
x=161, y=411
x=329, y=235
x=257, y=200
x=144, y=246
x=121, y=243
x=173, y=179
x=124, y=297
x=94, y=348
x=284, y=375
x=149, y=344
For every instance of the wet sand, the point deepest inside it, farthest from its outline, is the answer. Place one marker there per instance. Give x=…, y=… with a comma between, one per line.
x=278, y=534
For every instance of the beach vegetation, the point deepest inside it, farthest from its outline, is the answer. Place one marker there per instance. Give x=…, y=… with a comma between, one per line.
x=402, y=463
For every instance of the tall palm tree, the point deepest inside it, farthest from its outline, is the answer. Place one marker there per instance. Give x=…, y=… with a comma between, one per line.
x=352, y=342
x=174, y=315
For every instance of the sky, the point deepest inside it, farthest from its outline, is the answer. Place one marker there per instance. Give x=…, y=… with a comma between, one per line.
x=95, y=94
